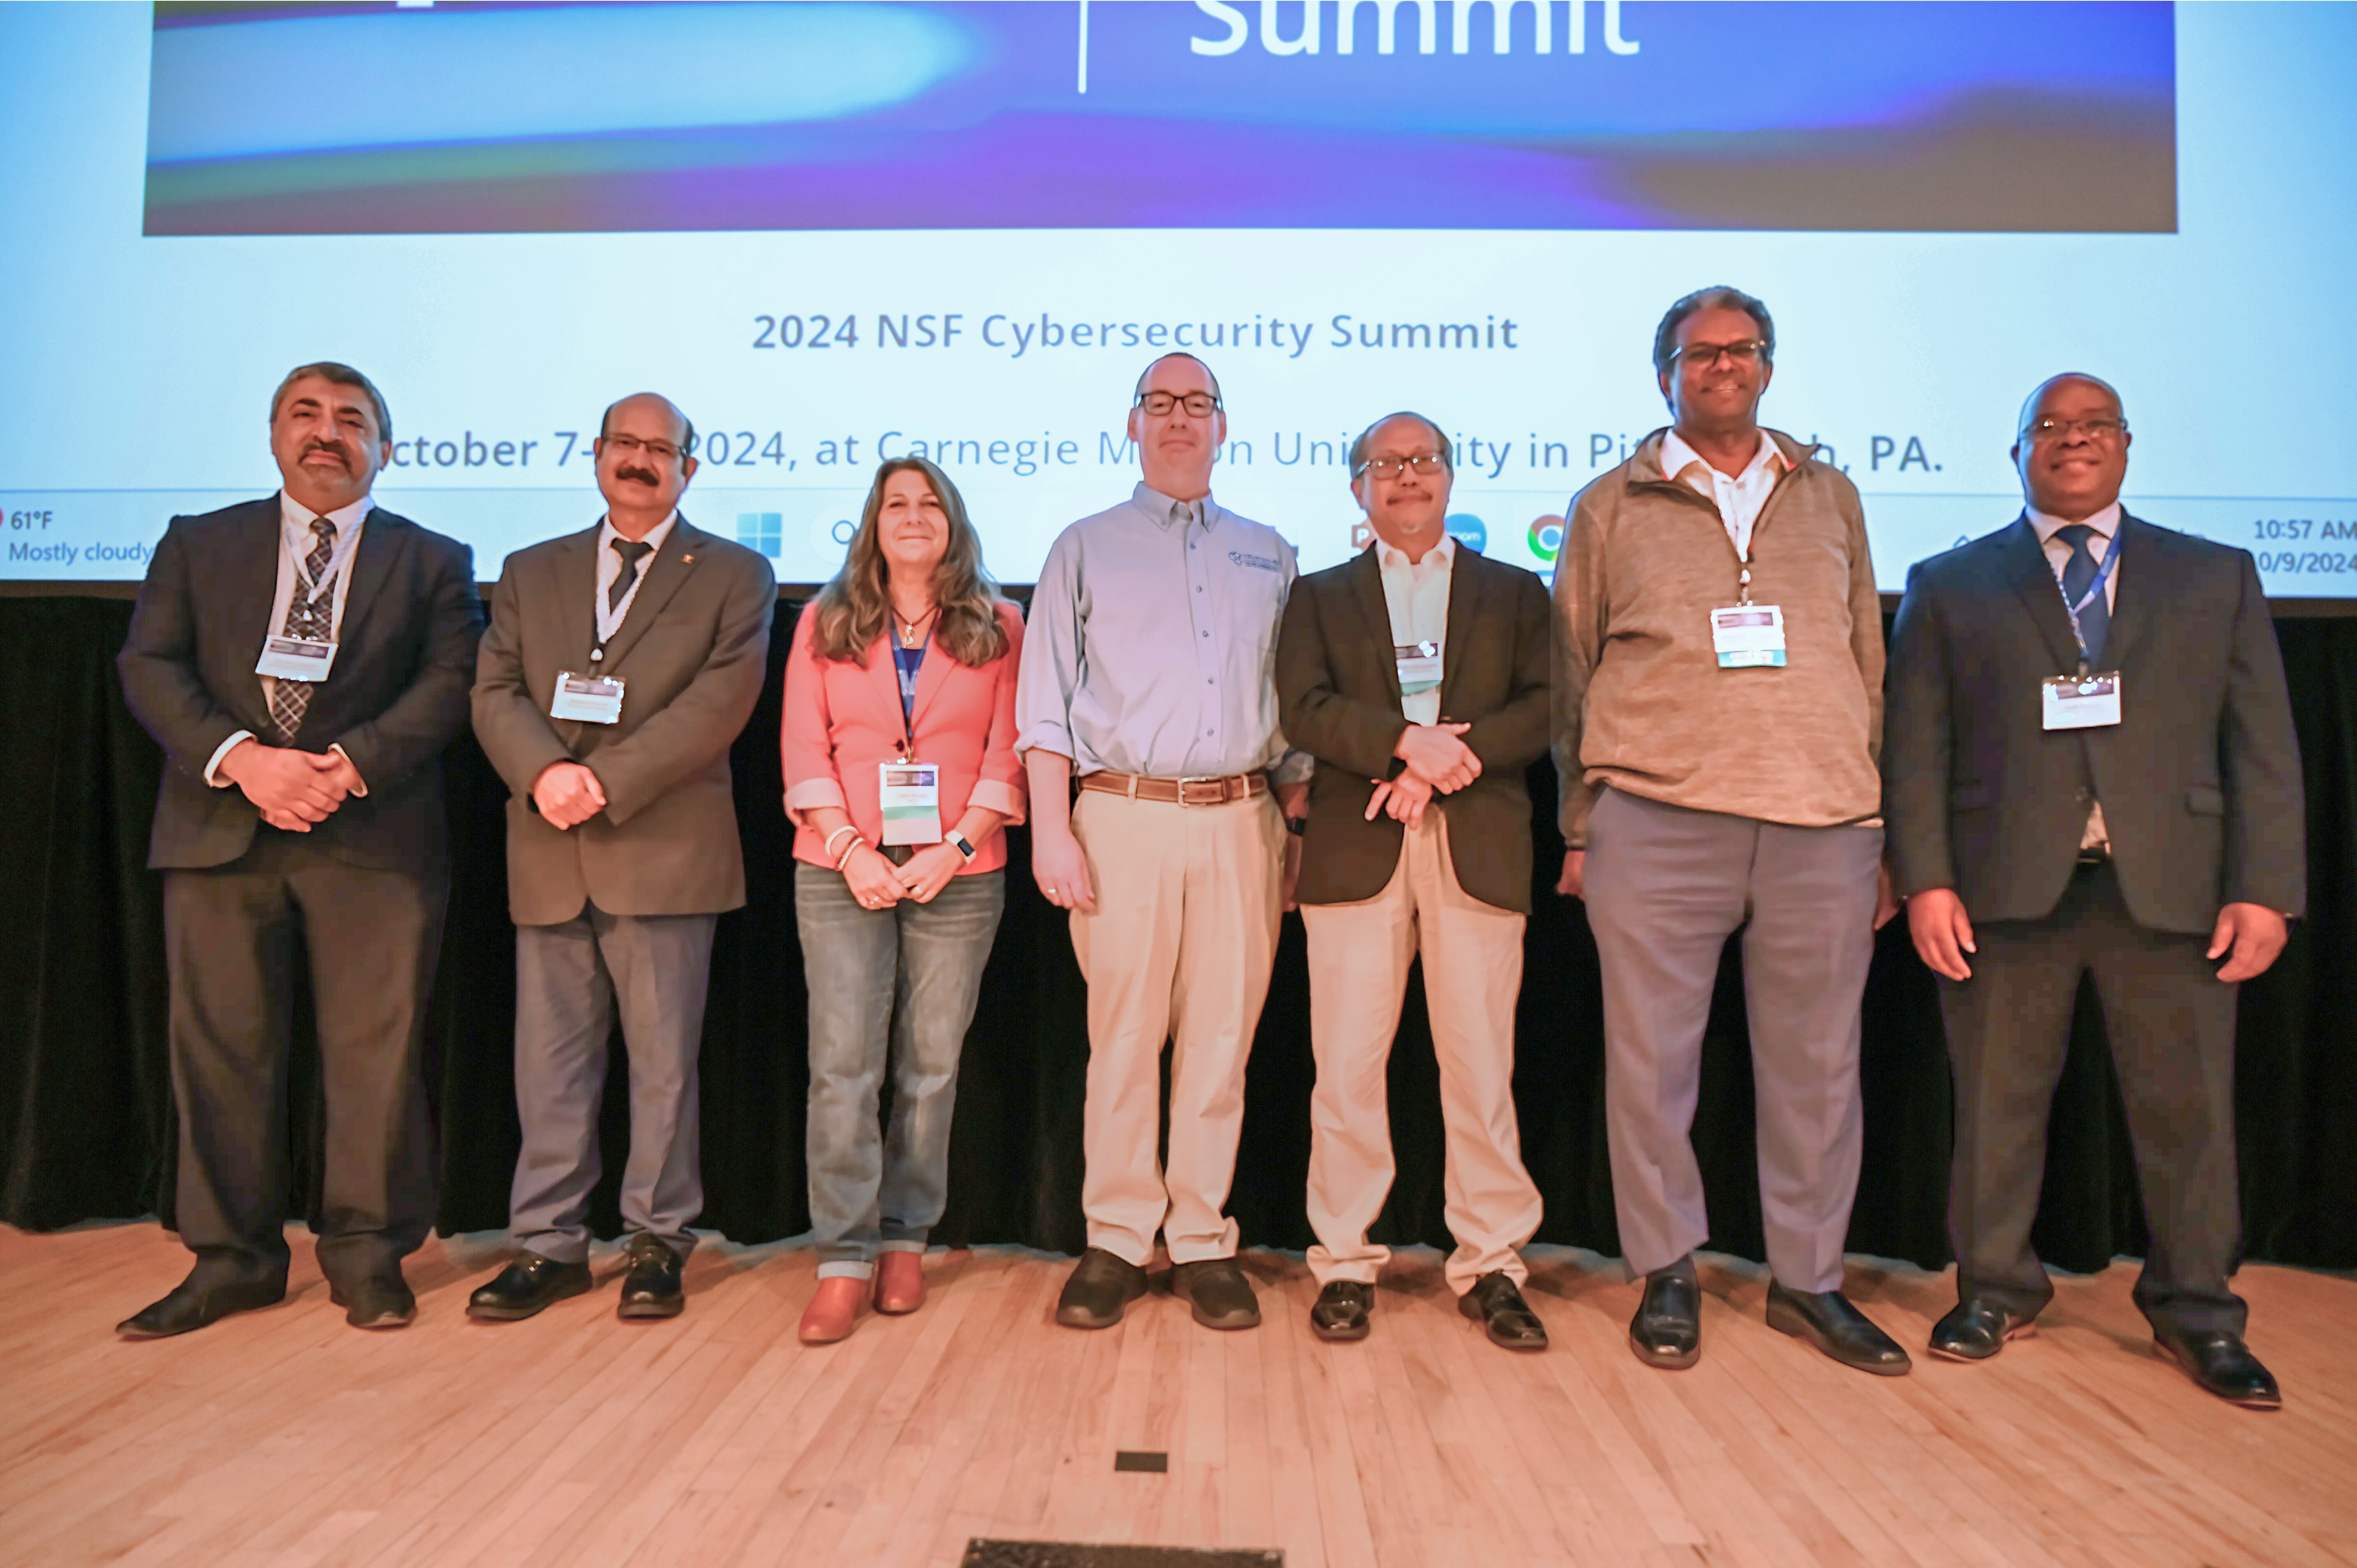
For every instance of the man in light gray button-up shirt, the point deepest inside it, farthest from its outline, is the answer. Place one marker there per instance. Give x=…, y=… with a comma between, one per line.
x=1148, y=673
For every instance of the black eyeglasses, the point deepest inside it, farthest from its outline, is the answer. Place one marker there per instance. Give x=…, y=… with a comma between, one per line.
x=627, y=444
x=1744, y=352
x=1202, y=406
x=1393, y=467
x=2101, y=428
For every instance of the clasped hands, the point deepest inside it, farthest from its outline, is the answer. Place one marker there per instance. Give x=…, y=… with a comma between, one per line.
x=878, y=884
x=290, y=788
x=1438, y=762
x=567, y=794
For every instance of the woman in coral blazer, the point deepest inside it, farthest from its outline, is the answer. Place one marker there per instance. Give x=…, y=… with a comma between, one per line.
x=907, y=658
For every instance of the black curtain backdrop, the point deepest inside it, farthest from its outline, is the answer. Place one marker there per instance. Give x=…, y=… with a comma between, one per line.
x=86, y=1118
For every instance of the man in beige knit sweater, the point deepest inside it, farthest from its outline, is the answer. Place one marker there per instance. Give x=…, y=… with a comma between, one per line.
x=1717, y=707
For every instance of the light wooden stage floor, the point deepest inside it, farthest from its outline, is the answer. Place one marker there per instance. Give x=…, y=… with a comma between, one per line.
x=284, y=1439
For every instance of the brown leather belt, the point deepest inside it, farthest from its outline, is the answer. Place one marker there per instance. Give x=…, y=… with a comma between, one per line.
x=1195, y=792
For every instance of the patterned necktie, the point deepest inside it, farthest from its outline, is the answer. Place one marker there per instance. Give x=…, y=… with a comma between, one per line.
x=2078, y=576
x=312, y=617
x=632, y=551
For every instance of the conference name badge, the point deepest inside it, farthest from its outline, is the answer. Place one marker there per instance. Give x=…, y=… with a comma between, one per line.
x=1419, y=666
x=295, y=659
x=910, y=793
x=587, y=699
x=2082, y=702
x=1749, y=636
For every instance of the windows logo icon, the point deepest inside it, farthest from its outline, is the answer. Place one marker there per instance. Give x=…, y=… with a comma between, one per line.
x=762, y=533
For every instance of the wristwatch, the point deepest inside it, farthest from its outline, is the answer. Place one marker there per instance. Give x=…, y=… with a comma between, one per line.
x=1296, y=826
x=957, y=841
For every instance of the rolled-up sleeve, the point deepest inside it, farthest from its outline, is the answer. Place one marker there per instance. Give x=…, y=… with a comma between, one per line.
x=1049, y=670
x=1003, y=788
x=808, y=745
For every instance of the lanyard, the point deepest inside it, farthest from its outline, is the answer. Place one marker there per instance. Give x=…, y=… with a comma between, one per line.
x=610, y=619
x=907, y=684
x=309, y=594
x=2103, y=576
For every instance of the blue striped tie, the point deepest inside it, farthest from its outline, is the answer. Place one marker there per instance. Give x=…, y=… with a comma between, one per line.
x=2078, y=576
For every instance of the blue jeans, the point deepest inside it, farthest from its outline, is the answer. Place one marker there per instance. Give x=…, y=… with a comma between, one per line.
x=900, y=983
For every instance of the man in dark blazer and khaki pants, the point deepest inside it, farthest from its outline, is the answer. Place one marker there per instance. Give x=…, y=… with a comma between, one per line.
x=620, y=666
x=2090, y=769
x=1416, y=675
x=306, y=806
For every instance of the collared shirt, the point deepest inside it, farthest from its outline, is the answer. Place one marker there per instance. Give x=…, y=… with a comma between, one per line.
x=1416, y=594
x=2105, y=527
x=296, y=542
x=1738, y=496
x=1151, y=644
x=609, y=572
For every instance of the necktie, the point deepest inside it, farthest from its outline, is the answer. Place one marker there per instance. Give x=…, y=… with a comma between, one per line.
x=310, y=616
x=2078, y=576
x=632, y=551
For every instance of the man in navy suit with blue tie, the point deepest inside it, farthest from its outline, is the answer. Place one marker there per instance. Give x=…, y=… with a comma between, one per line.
x=2089, y=767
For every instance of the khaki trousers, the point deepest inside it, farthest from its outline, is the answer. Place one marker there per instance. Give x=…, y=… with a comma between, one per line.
x=1359, y=957
x=1178, y=949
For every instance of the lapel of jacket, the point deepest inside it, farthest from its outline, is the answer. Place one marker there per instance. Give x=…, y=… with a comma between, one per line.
x=371, y=563
x=2128, y=607
x=576, y=565
x=884, y=680
x=932, y=676
x=1367, y=587
x=666, y=575
x=249, y=580
x=2033, y=580
x=1464, y=609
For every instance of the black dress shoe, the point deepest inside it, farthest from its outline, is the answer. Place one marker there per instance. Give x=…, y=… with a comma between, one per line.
x=1218, y=1292
x=1496, y=1303
x=1977, y=1329
x=526, y=1285
x=651, y=1288
x=1826, y=1320
x=2223, y=1364
x=192, y=1305
x=1667, y=1331
x=1100, y=1287
x=376, y=1302
x=1342, y=1311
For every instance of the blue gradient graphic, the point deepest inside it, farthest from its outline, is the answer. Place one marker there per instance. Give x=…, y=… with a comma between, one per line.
x=1048, y=113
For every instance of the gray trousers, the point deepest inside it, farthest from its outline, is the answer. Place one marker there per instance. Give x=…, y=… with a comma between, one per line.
x=372, y=936
x=1665, y=888
x=569, y=979
x=2171, y=1026
x=899, y=982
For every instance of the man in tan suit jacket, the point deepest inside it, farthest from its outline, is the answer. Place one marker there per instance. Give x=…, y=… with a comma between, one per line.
x=621, y=664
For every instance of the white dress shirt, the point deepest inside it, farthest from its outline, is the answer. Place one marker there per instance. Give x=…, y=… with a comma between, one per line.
x=2104, y=526
x=1417, y=596
x=296, y=542
x=609, y=571
x=1737, y=497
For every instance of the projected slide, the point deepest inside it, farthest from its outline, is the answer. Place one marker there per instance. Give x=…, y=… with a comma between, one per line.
x=837, y=232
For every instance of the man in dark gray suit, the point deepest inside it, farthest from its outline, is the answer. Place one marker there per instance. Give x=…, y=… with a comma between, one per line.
x=2090, y=766
x=302, y=794
x=620, y=666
